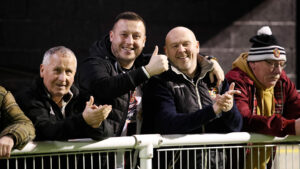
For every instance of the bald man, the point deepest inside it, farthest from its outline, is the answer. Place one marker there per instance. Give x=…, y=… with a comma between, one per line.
x=182, y=100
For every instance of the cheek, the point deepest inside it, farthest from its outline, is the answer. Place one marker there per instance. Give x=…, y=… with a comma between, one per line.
x=70, y=80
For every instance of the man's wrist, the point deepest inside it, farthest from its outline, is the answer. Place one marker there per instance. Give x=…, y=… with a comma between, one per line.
x=146, y=72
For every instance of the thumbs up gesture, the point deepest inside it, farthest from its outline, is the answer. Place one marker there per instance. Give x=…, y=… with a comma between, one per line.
x=157, y=64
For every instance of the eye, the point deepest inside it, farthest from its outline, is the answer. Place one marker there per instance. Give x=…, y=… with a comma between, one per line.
x=137, y=36
x=57, y=70
x=69, y=72
x=186, y=44
x=175, y=46
x=124, y=35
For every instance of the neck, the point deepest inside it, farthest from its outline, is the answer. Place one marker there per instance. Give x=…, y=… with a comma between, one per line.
x=190, y=74
x=126, y=65
x=58, y=100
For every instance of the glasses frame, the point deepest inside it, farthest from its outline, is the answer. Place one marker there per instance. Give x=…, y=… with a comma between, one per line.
x=274, y=64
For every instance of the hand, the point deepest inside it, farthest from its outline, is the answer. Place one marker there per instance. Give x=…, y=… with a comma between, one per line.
x=94, y=115
x=218, y=72
x=6, y=145
x=157, y=63
x=225, y=102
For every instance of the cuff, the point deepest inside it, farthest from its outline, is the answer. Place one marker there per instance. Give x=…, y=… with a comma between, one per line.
x=145, y=71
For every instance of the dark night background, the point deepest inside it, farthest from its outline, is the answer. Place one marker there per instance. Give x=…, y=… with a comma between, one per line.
x=29, y=27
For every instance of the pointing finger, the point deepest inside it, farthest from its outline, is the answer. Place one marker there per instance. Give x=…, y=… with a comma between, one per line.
x=232, y=92
x=231, y=87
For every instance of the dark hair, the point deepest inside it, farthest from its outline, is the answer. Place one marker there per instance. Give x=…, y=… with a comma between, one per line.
x=128, y=15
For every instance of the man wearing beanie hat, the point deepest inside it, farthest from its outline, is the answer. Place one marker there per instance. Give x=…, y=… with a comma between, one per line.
x=269, y=103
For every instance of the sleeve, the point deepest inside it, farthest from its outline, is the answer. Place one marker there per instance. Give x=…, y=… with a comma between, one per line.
x=17, y=124
x=98, y=77
x=275, y=125
x=232, y=119
x=159, y=108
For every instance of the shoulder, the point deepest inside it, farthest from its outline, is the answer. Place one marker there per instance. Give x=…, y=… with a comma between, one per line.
x=3, y=91
x=164, y=81
x=237, y=75
x=32, y=94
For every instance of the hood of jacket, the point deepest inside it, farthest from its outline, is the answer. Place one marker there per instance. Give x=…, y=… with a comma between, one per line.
x=265, y=96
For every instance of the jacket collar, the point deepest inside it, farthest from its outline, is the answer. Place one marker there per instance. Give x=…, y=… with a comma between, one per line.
x=205, y=67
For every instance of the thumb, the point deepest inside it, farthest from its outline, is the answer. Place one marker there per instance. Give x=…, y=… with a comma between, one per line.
x=91, y=101
x=155, y=52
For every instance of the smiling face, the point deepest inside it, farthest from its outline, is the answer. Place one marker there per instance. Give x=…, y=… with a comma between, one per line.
x=58, y=74
x=127, y=41
x=182, y=48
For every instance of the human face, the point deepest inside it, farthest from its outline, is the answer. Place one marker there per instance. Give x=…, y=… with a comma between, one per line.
x=267, y=72
x=182, y=49
x=127, y=41
x=58, y=74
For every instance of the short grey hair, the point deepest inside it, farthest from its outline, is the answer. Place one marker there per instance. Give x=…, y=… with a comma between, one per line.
x=54, y=50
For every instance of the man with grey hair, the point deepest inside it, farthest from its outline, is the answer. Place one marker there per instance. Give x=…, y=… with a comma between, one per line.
x=55, y=105
x=269, y=101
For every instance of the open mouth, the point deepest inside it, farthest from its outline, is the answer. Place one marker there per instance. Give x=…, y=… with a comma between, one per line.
x=128, y=49
x=61, y=86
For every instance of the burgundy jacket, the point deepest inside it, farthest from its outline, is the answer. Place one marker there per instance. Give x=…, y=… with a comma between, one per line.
x=287, y=105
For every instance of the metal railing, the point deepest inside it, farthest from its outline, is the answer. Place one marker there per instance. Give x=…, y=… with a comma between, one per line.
x=156, y=151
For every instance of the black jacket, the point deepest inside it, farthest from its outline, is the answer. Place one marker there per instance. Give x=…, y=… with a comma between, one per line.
x=174, y=104
x=101, y=76
x=36, y=104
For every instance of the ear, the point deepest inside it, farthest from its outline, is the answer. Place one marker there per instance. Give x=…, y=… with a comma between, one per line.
x=198, y=46
x=111, y=35
x=42, y=70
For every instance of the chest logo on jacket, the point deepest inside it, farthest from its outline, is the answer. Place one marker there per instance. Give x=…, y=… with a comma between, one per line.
x=178, y=86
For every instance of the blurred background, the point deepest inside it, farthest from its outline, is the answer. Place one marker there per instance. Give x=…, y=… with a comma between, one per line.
x=29, y=27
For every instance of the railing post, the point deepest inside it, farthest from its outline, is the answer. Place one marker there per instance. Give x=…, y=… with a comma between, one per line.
x=146, y=155
x=145, y=144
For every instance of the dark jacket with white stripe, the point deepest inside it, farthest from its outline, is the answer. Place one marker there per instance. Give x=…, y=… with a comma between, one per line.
x=175, y=104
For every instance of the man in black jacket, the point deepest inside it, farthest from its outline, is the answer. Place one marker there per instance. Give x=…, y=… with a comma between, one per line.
x=182, y=100
x=55, y=105
x=115, y=71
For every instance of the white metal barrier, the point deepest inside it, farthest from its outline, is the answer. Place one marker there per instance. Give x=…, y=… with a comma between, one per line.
x=234, y=145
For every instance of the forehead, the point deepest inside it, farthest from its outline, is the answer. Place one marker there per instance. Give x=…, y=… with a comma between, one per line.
x=180, y=36
x=63, y=59
x=130, y=26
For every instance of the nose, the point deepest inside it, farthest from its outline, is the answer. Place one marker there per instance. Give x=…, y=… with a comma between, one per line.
x=129, y=39
x=62, y=76
x=181, y=48
x=277, y=69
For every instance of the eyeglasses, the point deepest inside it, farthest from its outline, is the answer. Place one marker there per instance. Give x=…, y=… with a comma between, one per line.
x=274, y=64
